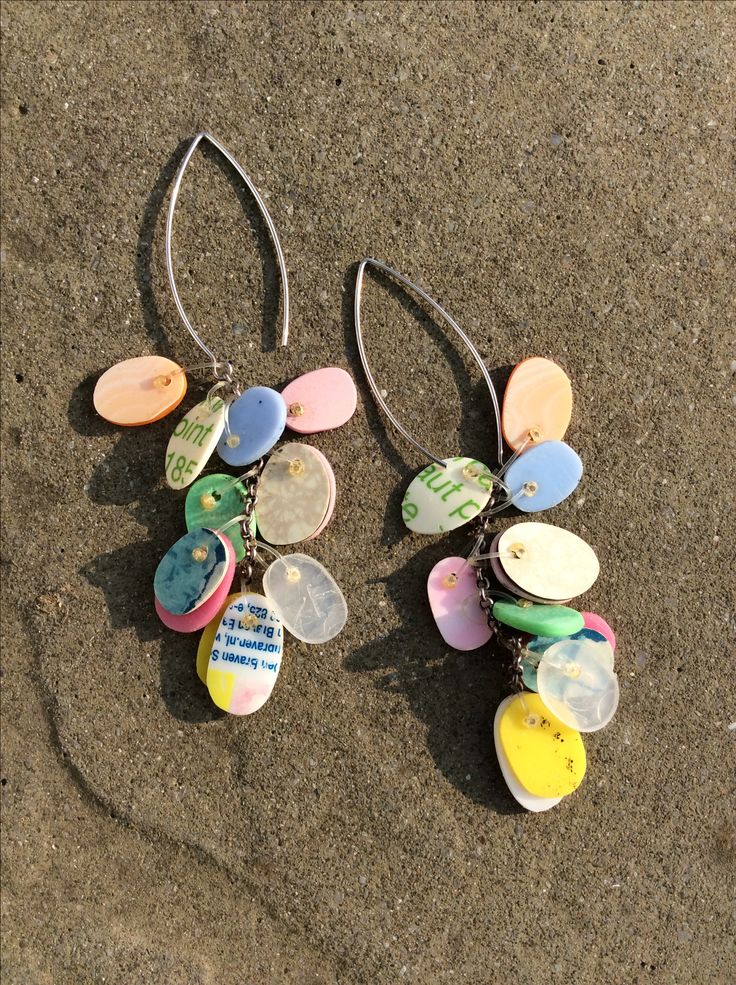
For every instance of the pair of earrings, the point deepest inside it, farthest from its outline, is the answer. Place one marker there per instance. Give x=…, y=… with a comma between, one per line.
x=513, y=586
x=284, y=497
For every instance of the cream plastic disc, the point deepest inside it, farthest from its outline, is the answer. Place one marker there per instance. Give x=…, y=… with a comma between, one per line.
x=333, y=493
x=547, y=561
x=294, y=494
x=576, y=681
x=519, y=793
x=307, y=597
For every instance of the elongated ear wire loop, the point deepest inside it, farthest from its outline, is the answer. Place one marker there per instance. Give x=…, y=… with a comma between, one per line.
x=453, y=324
x=221, y=369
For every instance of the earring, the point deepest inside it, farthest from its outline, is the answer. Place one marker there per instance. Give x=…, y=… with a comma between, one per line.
x=286, y=495
x=514, y=586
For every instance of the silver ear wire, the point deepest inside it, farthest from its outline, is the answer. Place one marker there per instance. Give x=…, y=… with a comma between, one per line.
x=450, y=321
x=222, y=370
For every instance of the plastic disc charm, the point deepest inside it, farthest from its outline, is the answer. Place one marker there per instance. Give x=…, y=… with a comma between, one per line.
x=193, y=441
x=294, y=494
x=192, y=622
x=439, y=499
x=307, y=597
x=333, y=494
x=505, y=582
x=190, y=571
x=543, y=476
x=320, y=401
x=213, y=501
x=207, y=639
x=140, y=390
x=539, y=620
x=526, y=799
x=546, y=757
x=577, y=683
x=538, y=644
x=537, y=404
x=256, y=421
x=599, y=624
x=246, y=655
x=453, y=598
x=547, y=561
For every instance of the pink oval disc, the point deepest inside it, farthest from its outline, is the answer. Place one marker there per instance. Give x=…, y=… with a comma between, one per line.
x=320, y=401
x=198, y=618
x=139, y=391
x=455, y=603
x=599, y=625
x=333, y=493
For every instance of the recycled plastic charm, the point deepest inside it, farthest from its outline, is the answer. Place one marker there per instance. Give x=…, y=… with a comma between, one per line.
x=564, y=657
x=195, y=585
x=449, y=492
x=513, y=586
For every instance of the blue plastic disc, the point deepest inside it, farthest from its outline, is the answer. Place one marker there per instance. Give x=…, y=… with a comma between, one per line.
x=543, y=476
x=256, y=421
x=190, y=571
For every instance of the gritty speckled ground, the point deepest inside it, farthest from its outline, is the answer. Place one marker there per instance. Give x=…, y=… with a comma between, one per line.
x=560, y=177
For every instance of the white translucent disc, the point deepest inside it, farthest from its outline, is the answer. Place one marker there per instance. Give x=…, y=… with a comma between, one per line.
x=576, y=681
x=308, y=598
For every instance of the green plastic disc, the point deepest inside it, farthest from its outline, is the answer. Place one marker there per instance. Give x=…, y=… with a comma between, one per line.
x=212, y=501
x=540, y=620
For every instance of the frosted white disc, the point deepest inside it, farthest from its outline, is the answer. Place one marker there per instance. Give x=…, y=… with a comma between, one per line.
x=307, y=597
x=576, y=682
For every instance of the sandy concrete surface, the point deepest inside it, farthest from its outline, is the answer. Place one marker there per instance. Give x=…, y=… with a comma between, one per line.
x=560, y=176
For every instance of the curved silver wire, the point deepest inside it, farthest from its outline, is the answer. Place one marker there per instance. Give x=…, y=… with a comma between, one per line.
x=370, y=261
x=216, y=363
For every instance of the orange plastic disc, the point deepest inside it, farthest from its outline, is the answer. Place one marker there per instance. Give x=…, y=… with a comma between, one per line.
x=140, y=390
x=537, y=405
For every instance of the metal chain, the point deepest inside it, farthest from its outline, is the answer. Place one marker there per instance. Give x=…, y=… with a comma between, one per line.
x=250, y=499
x=514, y=644
x=482, y=580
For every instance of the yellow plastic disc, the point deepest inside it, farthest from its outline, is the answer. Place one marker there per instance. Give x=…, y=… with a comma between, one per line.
x=546, y=756
x=207, y=638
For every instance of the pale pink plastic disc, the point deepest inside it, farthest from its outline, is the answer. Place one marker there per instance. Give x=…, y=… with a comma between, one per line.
x=198, y=618
x=455, y=604
x=333, y=493
x=320, y=401
x=599, y=625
